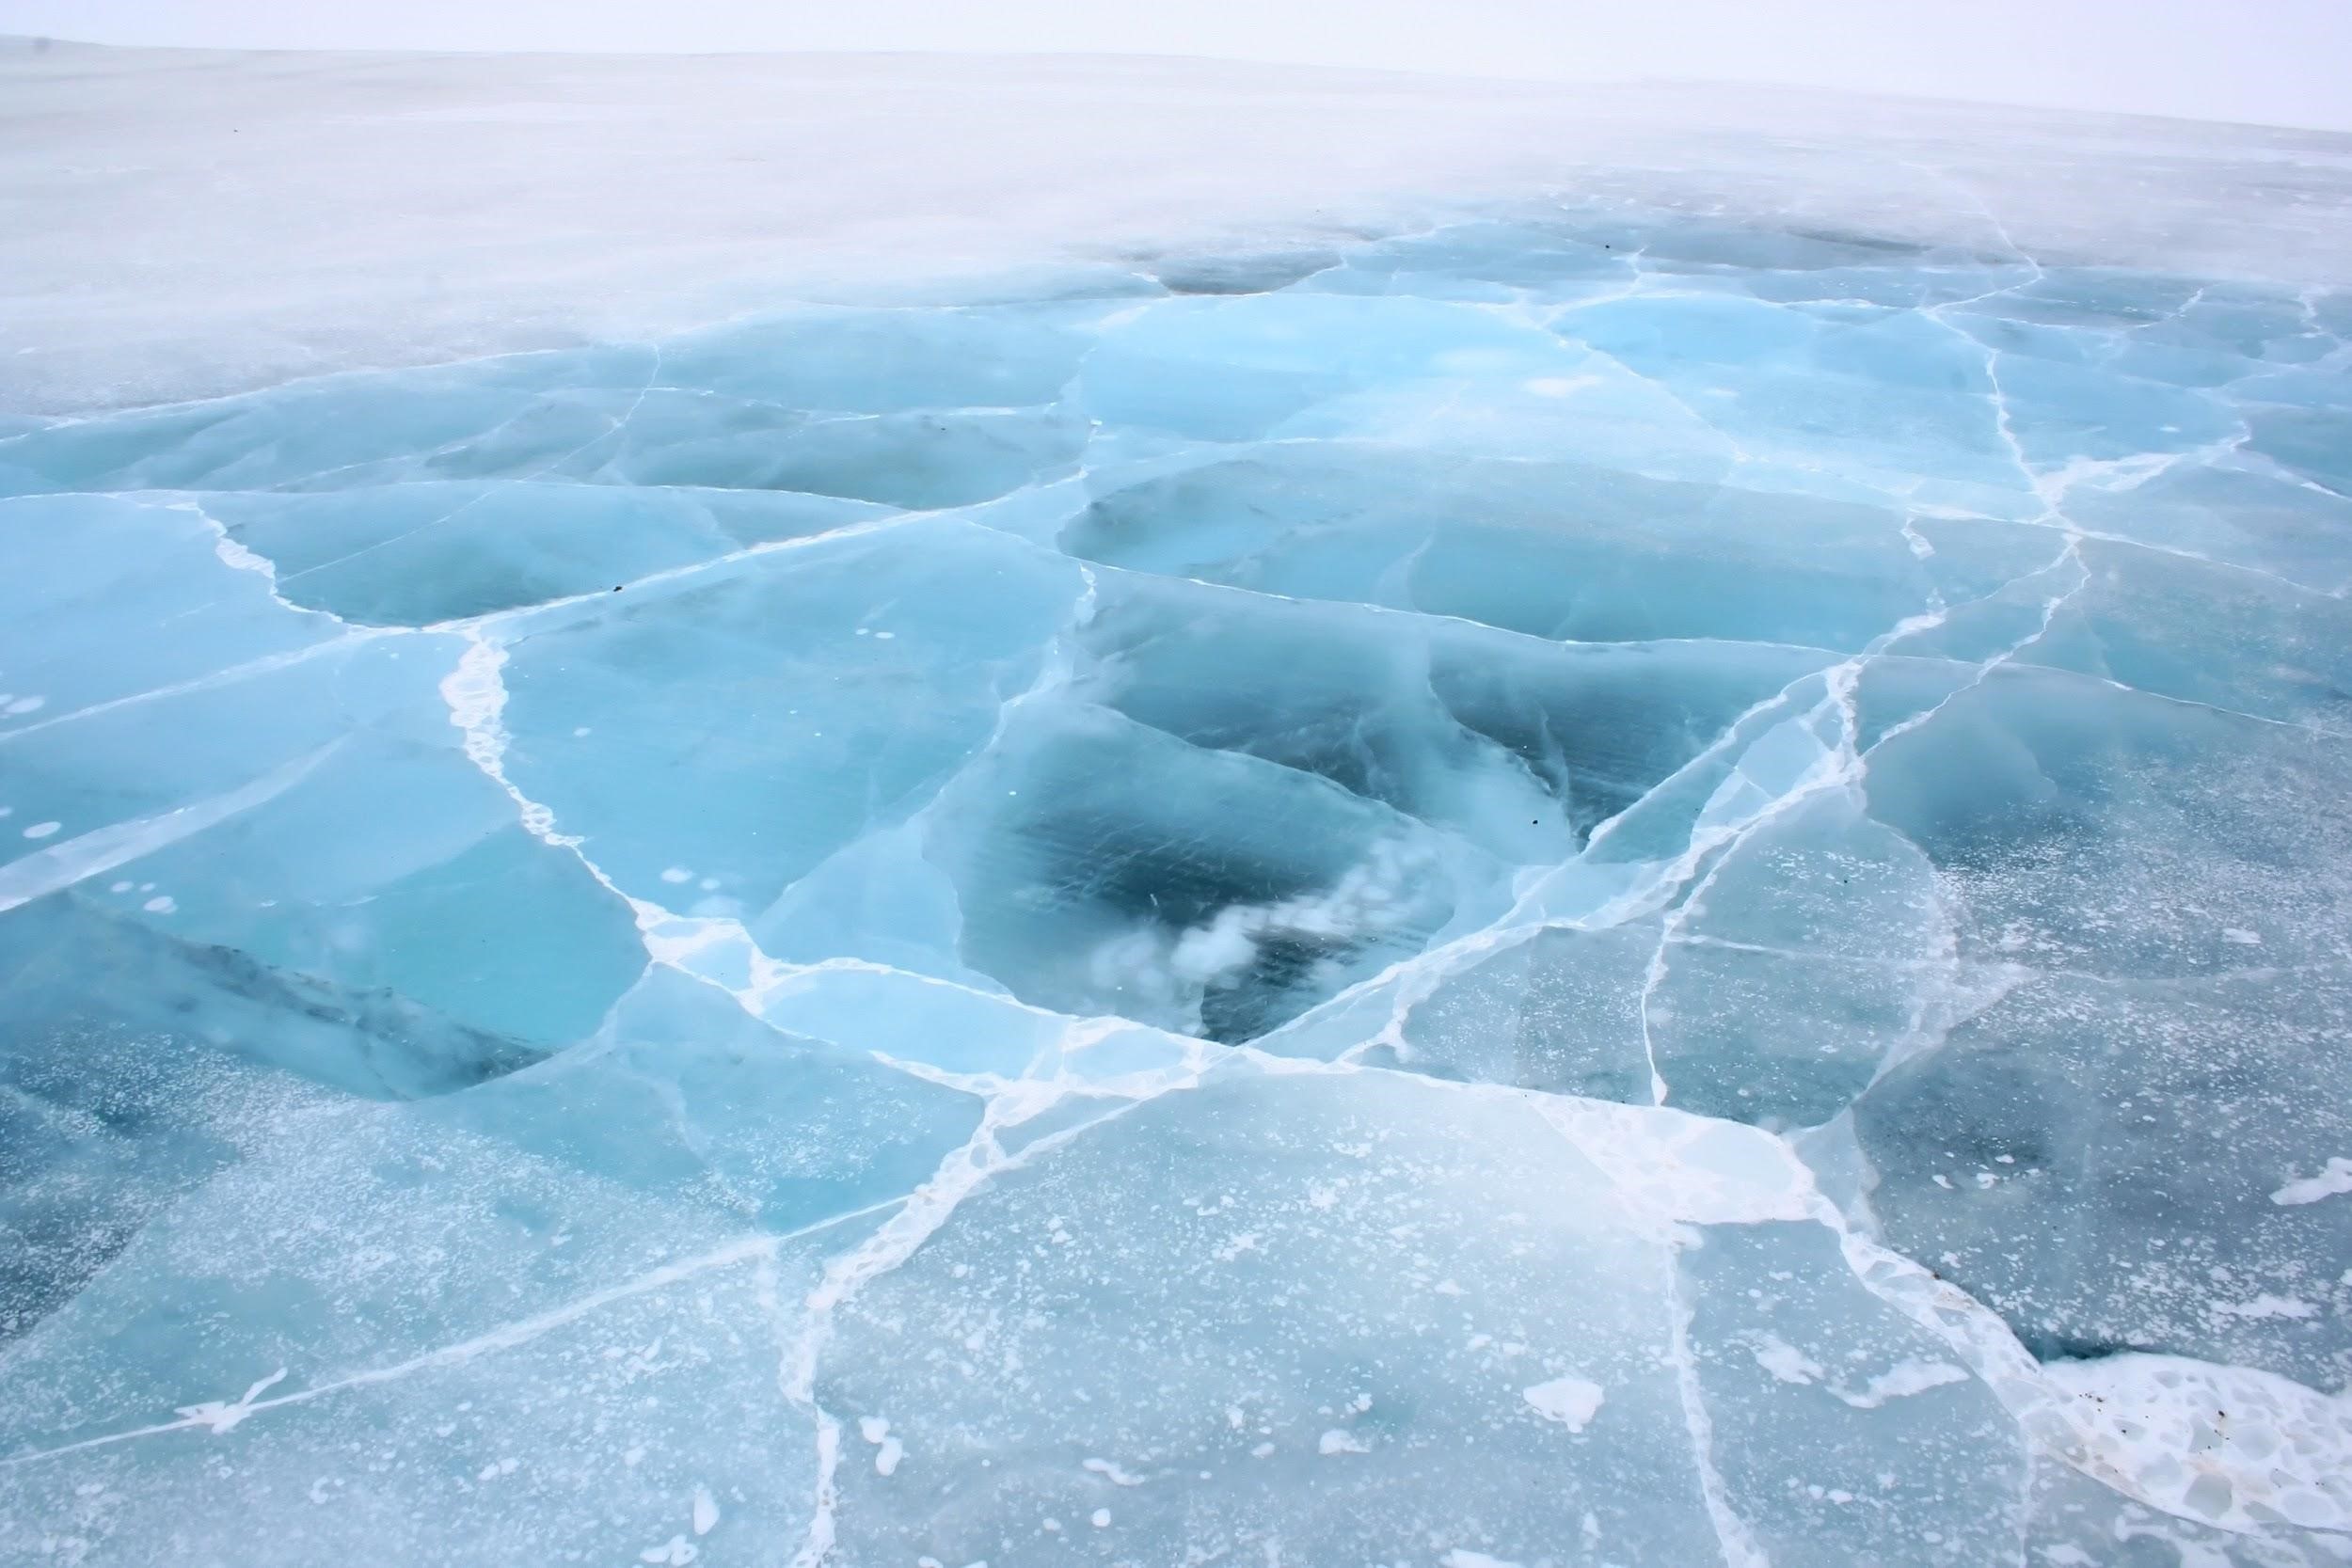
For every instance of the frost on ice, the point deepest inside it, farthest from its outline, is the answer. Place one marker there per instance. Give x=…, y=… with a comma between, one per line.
x=1594, y=886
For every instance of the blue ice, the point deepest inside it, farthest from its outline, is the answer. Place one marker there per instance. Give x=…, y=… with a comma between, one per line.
x=1584, y=889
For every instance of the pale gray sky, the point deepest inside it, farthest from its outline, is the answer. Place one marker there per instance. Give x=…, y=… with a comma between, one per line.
x=2279, y=61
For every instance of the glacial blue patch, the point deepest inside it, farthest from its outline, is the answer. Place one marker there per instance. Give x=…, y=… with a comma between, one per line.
x=1583, y=889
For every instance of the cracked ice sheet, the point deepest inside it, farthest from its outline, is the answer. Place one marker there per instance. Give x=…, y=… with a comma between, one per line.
x=1351, y=1318
x=799, y=813
x=570, y=1284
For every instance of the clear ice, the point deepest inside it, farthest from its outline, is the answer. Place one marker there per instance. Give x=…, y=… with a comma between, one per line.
x=1584, y=888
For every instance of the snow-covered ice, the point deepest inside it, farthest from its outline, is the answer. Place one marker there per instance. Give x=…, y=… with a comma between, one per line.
x=1596, y=840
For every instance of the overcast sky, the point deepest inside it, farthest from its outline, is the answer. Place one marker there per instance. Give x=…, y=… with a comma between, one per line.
x=2280, y=61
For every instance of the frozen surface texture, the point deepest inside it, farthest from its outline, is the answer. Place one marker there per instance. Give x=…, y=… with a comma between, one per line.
x=1597, y=885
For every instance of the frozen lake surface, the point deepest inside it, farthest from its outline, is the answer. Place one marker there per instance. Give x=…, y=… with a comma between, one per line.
x=926, y=811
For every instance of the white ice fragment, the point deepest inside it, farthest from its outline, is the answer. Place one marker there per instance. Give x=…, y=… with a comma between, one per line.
x=1459, y=1558
x=219, y=1416
x=677, y=875
x=888, y=1449
x=674, y=1553
x=1100, y=1518
x=1111, y=1472
x=163, y=903
x=42, y=830
x=24, y=706
x=1901, y=1380
x=118, y=887
x=706, y=1510
x=2336, y=1179
x=1573, y=1401
x=1338, y=1441
x=1785, y=1361
x=2268, y=1306
x=2243, y=937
